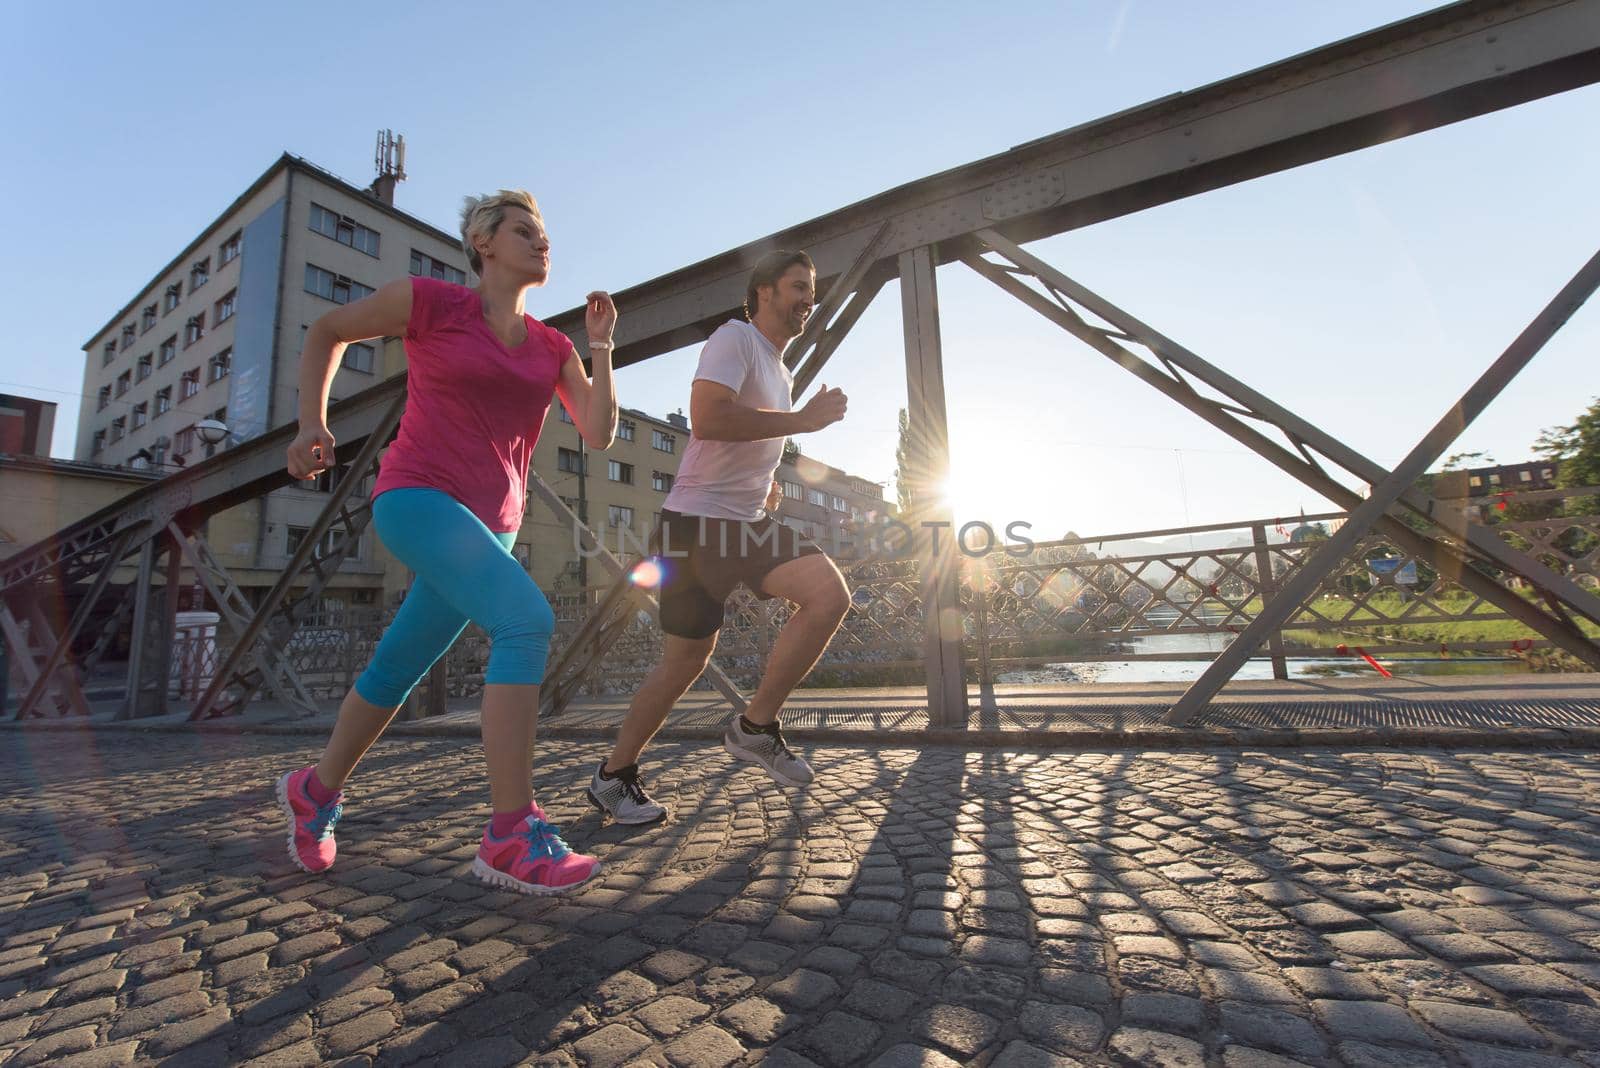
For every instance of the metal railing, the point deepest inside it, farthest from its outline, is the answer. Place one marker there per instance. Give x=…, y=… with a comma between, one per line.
x=1096, y=599
x=1106, y=599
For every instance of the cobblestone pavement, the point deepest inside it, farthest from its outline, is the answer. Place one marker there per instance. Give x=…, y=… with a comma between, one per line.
x=1234, y=908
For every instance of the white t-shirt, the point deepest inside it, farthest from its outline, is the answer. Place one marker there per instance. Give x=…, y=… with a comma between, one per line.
x=730, y=479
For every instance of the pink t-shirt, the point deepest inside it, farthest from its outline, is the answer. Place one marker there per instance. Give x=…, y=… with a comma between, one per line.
x=474, y=408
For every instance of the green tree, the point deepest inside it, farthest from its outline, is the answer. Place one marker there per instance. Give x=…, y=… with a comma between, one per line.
x=1460, y=461
x=1574, y=449
x=791, y=450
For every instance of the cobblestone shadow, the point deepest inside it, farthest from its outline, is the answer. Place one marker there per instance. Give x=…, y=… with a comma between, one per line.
x=1231, y=908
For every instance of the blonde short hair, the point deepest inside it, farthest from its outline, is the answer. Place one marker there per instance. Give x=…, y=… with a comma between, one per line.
x=482, y=216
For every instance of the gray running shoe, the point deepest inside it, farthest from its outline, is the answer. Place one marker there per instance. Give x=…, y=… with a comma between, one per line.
x=767, y=749
x=622, y=797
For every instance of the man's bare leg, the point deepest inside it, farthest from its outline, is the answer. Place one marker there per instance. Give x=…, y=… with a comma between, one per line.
x=682, y=661
x=814, y=584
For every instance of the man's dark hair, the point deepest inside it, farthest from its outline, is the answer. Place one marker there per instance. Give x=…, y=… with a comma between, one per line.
x=768, y=270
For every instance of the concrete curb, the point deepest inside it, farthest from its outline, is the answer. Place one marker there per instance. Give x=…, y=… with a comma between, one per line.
x=1069, y=739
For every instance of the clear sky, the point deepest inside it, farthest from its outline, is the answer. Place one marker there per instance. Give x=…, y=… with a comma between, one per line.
x=1365, y=292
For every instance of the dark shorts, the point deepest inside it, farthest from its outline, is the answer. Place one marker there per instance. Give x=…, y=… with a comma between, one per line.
x=703, y=559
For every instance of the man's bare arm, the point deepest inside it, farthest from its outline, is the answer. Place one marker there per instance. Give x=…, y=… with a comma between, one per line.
x=715, y=414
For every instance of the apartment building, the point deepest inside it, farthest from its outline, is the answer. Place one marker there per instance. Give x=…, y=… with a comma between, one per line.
x=26, y=425
x=216, y=334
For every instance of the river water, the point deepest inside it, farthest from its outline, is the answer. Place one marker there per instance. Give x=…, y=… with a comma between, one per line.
x=1261, y=668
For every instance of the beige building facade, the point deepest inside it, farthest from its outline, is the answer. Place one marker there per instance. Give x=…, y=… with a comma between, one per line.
x=217, y=333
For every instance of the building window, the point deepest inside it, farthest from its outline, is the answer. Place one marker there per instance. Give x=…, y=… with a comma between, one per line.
x=183, y=441
x=660, y=481
x=145, y=367
x=839, y=505
x=124, y=380
x=344, y=230
x=334, y=287
x=119, y=427
x=793, y=490
x=199, y=274
x=1547, y=473
x=168, y=351
x=148, y=319
x=619, y=516
x=617, y=471
x=1494, y=479
x=127, y=336
x=103, y=398
x=189, y=384
x=625, y=428
x=425, y=266
x=163, y=400
x=664, y=442
x=1525, y=475
x=360, y=357
x=109, y=353
x=141, y=414
x=229, y=250
x=817, y=497
x=194, y=329
x=1474, y=481
x=562, y=413
x=98, y=443
x=174, y=294
x=220, y=365
x=224, y=308
x=570, y=461
x=330, y=478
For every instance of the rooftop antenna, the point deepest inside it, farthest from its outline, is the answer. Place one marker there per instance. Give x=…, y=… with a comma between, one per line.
x=390, y=161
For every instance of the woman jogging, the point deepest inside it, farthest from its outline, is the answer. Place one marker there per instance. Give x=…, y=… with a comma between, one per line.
x=448, y=502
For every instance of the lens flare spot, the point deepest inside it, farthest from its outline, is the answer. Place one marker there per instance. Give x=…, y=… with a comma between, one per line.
x=647, y=574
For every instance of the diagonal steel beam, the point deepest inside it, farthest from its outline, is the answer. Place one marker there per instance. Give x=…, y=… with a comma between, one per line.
x=13, y=633
x=848, y=316
x=598, y=632
x=1445, y=558
x=1304, y=434
x=719, y=678
x=375, y=441
x=843, y=286
x=1333, y=552
x=119, y=548
x=235, y=611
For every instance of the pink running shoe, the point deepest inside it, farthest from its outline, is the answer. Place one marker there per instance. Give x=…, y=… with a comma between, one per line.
x=532, y=859
x=311, y=844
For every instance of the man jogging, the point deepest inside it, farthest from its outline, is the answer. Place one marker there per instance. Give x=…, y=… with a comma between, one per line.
x=717, y=531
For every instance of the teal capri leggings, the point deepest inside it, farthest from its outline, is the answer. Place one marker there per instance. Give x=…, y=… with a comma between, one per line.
x=464, y=572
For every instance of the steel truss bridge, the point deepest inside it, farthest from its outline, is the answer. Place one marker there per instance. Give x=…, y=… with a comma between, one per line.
x=1441, y=67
